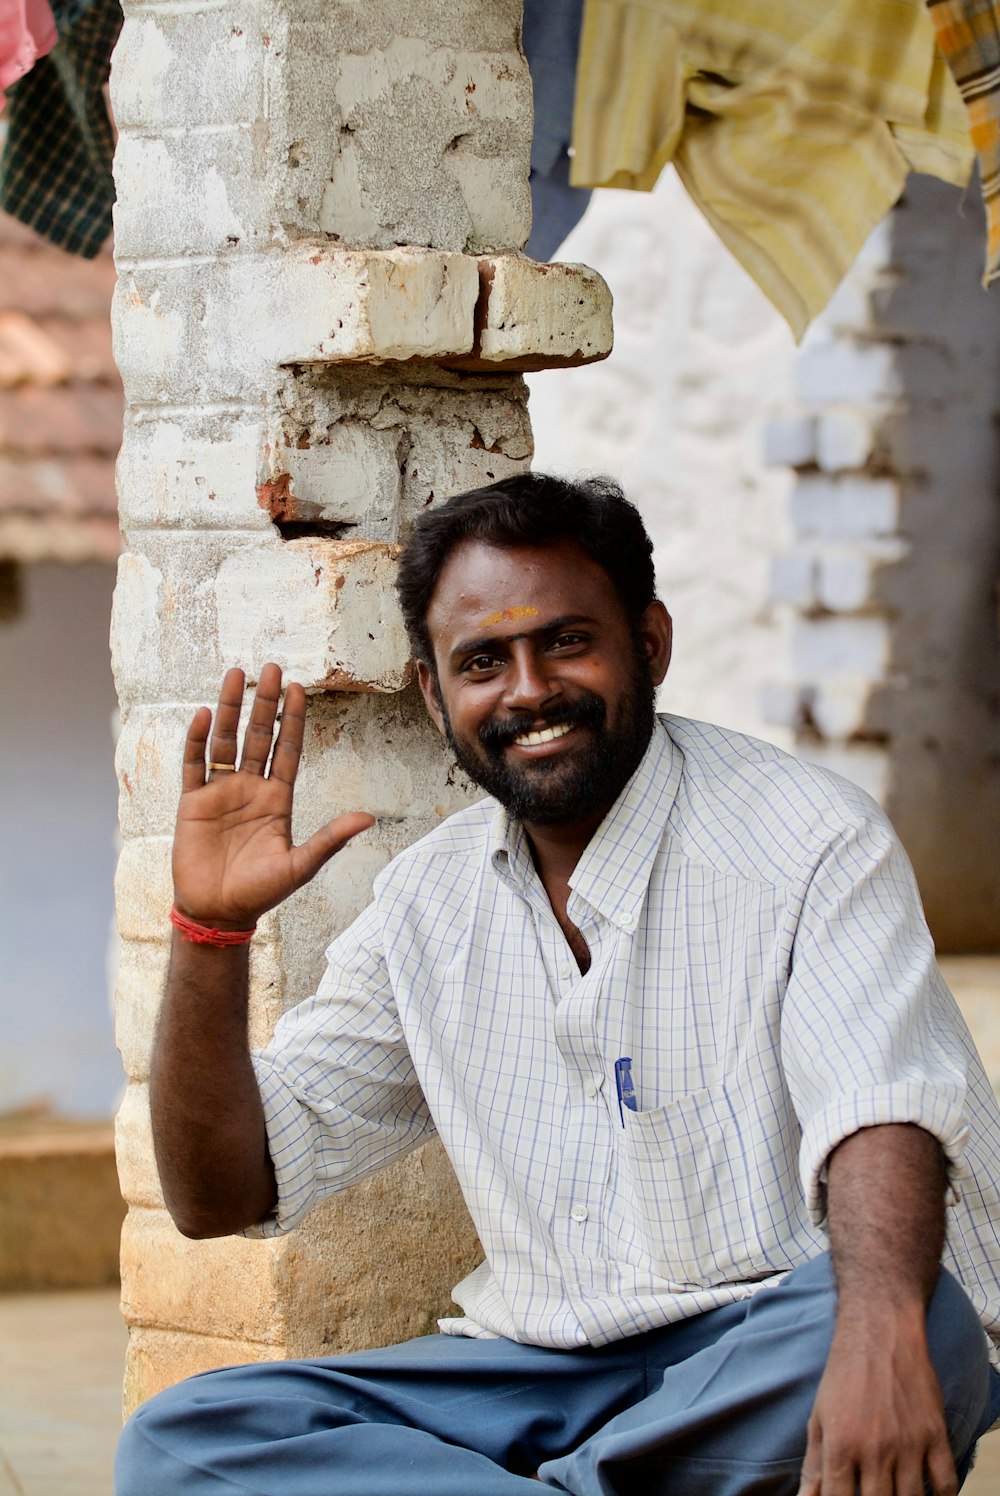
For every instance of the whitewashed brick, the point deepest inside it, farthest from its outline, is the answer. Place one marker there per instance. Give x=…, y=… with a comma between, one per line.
x=782, y=703
x=330, y=306
x=460, y=117
x=351, y=478
x=192, y=475
x=189, y=194
x=793, y=579
x=839, y=706
x=542, y=315
x=849, y=647
x=845, y=439
x=324, y=610
x=789, y=441
x=845, y=508
x=190, y=67
x=847, y=577
x=841, y=372
x=865, y=764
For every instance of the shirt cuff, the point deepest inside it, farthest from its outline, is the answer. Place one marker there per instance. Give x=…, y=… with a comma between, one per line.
x=290, y=1143
x=938, y=1109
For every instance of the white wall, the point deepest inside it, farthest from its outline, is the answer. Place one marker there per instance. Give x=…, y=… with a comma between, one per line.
x=677, y=413
x=57, y=846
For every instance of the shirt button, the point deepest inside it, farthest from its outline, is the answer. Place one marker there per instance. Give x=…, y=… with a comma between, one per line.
x=579, y=1213
x=566, y=971
x=590, y=1087
x=628, y=921
x=582, y=1338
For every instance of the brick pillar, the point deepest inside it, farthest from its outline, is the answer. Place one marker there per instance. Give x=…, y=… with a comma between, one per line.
x=321, y=321
x=891, y=578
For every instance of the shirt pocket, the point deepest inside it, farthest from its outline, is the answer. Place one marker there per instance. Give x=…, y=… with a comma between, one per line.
x=693, y=1205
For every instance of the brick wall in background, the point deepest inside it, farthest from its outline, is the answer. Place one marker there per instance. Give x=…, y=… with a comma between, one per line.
x=890, y=580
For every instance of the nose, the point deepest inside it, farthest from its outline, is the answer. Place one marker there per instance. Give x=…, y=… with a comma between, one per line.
x=529, y=684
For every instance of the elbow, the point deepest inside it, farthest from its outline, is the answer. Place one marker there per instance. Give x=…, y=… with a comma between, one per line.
x=204, y=1222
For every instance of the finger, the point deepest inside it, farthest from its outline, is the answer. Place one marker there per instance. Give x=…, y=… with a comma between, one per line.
x=288, y=746
x=260, y=730
x=321, y=846
x=222, y=748
x=941, y=1468
x=193, y=771
x=812, y=1464
x=840, y=1474
x=909, y=1477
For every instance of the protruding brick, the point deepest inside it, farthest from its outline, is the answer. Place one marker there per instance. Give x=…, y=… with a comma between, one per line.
x=790, y=441
x=793, y=579
x=536, y=316
x=783, y=704
x=841, y=372
x=839, y=707
x=847, y=576
x=849, y=647
x=845, y=439
x=845, y=508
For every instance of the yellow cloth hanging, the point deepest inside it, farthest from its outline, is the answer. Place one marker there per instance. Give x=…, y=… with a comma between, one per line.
x=792, y=123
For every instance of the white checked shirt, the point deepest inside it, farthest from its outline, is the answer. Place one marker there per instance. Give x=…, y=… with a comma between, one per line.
x=758, y=951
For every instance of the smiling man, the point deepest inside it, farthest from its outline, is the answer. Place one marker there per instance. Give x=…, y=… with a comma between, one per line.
x=667, y=998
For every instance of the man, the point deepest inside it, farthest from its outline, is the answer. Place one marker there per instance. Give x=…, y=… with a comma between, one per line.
x=669, y=1002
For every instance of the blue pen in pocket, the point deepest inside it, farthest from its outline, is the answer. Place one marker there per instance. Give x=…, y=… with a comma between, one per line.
x=624, y=1086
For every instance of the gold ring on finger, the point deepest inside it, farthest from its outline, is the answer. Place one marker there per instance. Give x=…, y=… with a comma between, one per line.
x=222, y=768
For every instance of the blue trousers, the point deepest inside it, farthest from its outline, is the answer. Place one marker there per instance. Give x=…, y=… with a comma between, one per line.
x=714, y=1406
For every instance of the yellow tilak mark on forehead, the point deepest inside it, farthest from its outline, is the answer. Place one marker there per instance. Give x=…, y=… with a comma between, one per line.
x=508, y=615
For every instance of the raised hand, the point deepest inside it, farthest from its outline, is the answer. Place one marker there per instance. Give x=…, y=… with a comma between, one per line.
x=233, y=854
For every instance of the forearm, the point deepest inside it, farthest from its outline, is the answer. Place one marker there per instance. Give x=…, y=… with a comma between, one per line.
x=886, y=1188
x=208, y=1121
x=878, y=1424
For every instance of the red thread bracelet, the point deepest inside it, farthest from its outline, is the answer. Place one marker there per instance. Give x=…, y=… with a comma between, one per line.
x=205, y=935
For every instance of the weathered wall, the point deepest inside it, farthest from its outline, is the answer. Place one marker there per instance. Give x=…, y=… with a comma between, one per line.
x=297, y=388
x=701, y=361
x=895, y=662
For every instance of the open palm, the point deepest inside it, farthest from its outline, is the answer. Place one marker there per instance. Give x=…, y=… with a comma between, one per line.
x=233, y=854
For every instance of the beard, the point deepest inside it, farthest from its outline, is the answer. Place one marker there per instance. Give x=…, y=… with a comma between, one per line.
x=569, y=786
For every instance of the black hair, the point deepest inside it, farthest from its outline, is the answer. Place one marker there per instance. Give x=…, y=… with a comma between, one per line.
x=528, y=509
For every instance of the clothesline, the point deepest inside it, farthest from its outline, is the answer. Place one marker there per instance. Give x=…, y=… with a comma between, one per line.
x=793, y=124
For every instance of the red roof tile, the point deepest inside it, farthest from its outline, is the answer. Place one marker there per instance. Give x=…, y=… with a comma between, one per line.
x=61, y=401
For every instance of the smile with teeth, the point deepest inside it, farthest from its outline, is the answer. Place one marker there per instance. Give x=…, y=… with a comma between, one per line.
x=547, y=735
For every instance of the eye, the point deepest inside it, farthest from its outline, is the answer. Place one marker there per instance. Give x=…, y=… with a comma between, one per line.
x=569, y=640
x=480, y=664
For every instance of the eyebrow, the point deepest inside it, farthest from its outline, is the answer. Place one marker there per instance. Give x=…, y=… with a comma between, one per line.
x=491, y=643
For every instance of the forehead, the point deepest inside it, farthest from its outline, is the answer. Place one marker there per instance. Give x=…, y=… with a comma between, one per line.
x=486, y=589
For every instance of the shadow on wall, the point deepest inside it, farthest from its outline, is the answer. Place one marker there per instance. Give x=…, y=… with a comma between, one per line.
x=939, y=711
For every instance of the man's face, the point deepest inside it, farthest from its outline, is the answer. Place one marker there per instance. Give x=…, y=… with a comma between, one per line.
x=544, y=688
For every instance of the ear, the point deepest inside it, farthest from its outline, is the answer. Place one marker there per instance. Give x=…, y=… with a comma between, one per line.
x=657, y=634
x=429, y=691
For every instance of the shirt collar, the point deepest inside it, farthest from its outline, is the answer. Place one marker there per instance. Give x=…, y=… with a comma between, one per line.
x=614, y=871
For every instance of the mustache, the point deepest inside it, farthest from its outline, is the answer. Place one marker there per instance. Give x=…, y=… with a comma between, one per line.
x=587, y=711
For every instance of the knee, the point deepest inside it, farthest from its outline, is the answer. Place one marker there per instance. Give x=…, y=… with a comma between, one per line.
x=150, y=1460
x=138, y=1456
x=958, y=1349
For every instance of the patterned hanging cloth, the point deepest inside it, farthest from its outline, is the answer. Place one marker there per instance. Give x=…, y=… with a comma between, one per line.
x=968, y=37
x=55, y=171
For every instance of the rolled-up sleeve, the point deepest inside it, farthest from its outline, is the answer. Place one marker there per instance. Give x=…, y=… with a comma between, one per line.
x=870, y=1034
x=340, y=1095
